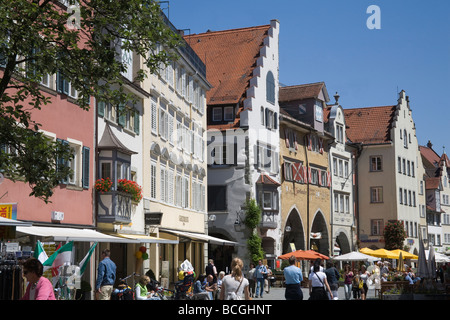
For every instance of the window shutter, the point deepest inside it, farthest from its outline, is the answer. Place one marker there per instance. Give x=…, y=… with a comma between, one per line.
x=286, y=136
x=136, y=122
x=86, y=157
x=295, y=141
x=101, y=108
x=122, y=117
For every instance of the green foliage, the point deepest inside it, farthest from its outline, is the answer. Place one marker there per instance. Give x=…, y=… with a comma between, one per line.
x=252, y=220
x=36, y=39
x=252, y=214
x=254, y=247
x=394, y=235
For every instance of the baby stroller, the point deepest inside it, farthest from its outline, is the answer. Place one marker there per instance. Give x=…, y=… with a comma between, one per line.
x=122, y=292
x=183, y=288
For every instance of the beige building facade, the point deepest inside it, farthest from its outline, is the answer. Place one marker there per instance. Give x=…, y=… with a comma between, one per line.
x=306, y=180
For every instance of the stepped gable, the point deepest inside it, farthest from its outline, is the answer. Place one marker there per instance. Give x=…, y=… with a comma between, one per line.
x=230, y=57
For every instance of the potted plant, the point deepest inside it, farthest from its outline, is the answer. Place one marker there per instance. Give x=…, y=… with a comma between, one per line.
x=103, y=185
x=130, y=187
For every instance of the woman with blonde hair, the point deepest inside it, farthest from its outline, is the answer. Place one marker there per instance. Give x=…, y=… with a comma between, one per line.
x=234, y=284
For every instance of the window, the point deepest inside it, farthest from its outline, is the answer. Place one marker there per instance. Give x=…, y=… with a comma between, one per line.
x=267, y=200
x=262, y=116
x=217, y=198
x=267, y=159
x=340, y=133
x=375, y=163
x=270, y=88
x=217, y=114
x=288, y=166
x=376, y=194
x=376, y=227
x=405, y=139
x=400, y=195
x=228, y=114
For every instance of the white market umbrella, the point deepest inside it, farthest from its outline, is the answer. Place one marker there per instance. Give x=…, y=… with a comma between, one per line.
x=422, y=267
x=431, y=263
x=438, y=257
x=355, y=256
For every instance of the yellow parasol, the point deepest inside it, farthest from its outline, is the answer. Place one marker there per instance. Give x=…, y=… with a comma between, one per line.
x=405, y=254
x=383, y=253
x=366, y=250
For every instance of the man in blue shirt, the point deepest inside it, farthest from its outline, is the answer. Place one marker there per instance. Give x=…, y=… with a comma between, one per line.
x=259, y=273
x=106, y=276
x=293, y=277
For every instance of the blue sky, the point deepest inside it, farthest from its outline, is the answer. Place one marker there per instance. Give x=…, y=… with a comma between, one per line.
x=328, y=40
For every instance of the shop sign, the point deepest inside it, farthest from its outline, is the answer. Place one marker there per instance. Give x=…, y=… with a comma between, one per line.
x=8, y=210
x=153, y=218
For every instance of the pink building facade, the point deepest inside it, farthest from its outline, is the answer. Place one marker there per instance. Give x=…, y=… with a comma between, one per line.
x=72, y=201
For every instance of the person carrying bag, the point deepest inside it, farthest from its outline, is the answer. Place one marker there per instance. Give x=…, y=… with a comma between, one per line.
x=317, y=284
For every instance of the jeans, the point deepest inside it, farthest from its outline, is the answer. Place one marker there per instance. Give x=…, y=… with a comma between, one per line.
x=259, y=286
x=348, y=291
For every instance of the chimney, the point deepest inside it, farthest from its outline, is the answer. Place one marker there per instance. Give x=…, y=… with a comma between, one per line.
x=429, y=144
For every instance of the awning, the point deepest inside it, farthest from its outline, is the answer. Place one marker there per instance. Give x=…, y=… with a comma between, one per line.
x=72, y=234
x=200, y=236
x=145, y=239
x=13, y=223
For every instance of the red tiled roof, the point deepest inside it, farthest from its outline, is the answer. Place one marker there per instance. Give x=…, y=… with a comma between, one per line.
x=369, y=125
x=429, y=155
x=445, y=158
x=230, y=57
x=432, y=183
x=300, y=92
x=265, y=179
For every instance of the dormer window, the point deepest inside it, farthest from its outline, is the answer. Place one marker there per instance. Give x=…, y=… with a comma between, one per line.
x=228, y=114
x=222, y=114
x=217, y=114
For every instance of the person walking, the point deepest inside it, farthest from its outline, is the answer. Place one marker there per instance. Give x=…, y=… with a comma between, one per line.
x=260, y=271
x=333, y=279
x=348, y=279
x=355, y=287
x=211, y=269
x=293, y=277
x=235, y=284
x=251, y=280
x=318, y=283
x=39, y=287
x=106, y=276
x=364, y=276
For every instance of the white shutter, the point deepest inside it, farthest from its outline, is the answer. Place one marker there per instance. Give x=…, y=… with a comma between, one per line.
x=154, y=120
x=163, y=183
x=170, y=186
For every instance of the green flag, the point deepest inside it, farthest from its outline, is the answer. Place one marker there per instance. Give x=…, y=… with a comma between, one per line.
x=39, y=252
x=85, y=261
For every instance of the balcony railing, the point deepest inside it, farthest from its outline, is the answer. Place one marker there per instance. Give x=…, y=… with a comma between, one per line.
x=114, y=207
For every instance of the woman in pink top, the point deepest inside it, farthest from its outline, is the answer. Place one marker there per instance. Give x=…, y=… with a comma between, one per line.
x=39, y=287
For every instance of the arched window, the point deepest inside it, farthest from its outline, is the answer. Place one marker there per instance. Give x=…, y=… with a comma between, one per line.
x=270, y=87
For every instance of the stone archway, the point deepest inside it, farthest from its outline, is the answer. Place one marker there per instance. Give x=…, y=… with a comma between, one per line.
x=319, y=238
x=293, y=232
